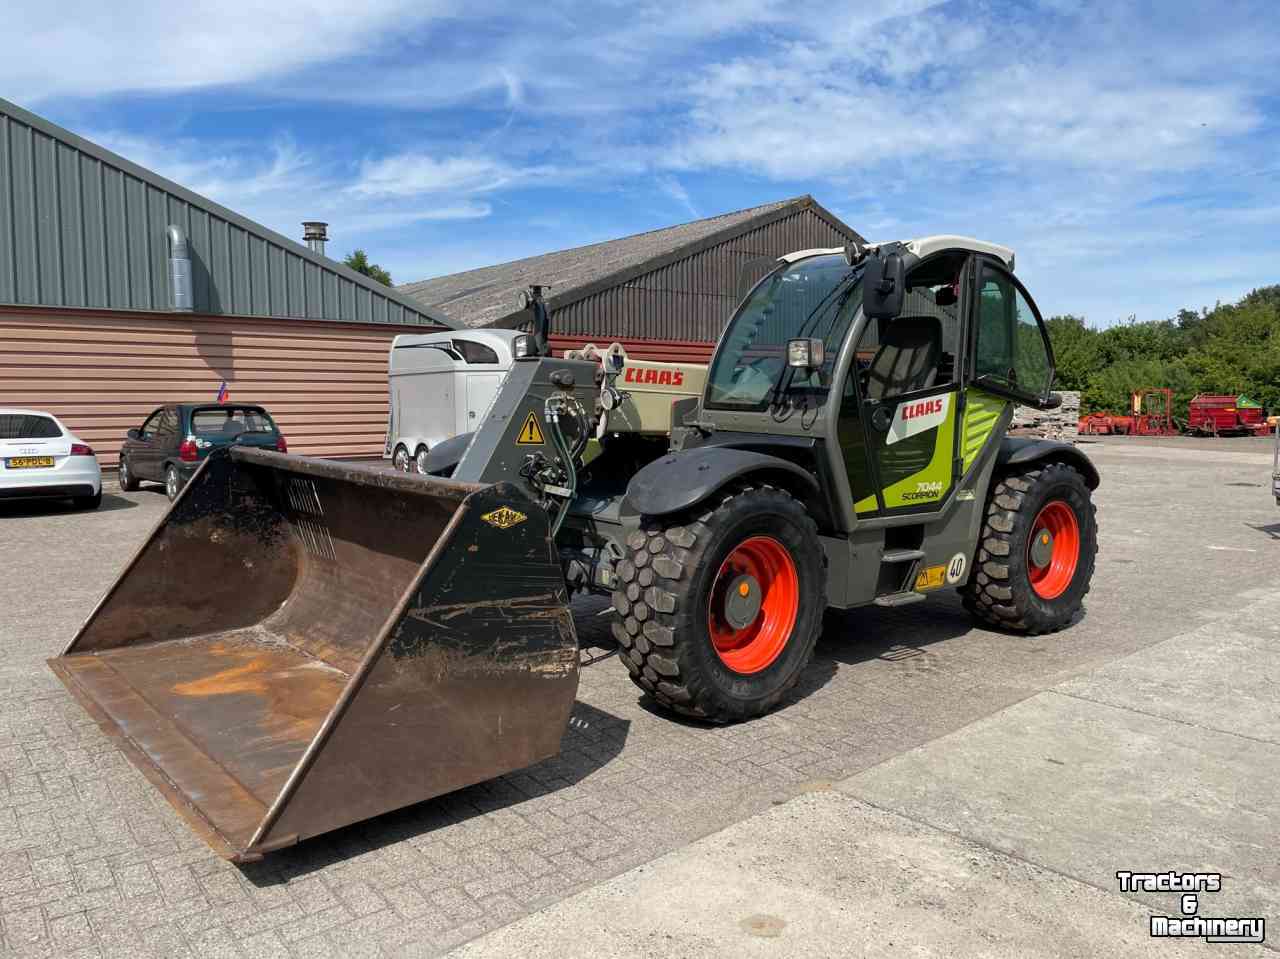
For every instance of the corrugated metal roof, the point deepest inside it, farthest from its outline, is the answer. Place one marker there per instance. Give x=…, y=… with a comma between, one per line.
x=488, y=295
x=83, y=227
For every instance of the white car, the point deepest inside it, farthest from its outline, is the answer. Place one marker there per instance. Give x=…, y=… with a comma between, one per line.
x=41, y=458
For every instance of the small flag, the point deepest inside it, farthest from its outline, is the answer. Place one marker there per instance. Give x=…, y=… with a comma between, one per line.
x=222, y=392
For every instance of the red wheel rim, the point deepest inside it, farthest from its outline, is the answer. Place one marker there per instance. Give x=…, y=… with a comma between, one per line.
x=1056, y=520
x=756, y=646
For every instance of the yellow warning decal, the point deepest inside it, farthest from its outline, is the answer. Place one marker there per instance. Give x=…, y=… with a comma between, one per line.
x=504, y=518
x=931, y=578
x=530, y=432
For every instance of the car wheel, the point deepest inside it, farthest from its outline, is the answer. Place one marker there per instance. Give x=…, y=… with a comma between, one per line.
x=420, y=460
x=128, y=482
x=172, y=484
x=401, y=460
x=88, y=502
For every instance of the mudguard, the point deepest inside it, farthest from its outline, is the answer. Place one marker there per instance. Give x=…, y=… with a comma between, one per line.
x=444, y=456
x=683, y=479
x=1024, y=450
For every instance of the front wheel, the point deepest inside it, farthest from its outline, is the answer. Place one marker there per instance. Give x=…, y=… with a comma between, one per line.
x=420, y=460
x=717, y=616
x=401, y=460
x=1035, y=560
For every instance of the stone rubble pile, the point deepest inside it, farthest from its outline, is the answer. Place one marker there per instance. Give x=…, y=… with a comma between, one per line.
x=1060, y=424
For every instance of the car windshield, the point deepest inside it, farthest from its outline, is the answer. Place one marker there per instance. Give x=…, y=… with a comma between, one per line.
x=230, y=421
x=814, y=297
x=27, y=426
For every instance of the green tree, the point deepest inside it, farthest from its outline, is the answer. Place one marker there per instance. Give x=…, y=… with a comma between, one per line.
x=1076, y=351
x=358, y=260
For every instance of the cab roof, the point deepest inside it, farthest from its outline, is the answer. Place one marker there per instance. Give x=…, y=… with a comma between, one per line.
x=922, y=247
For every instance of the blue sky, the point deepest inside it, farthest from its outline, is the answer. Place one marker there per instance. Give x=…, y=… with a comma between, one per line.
x=1129, y=151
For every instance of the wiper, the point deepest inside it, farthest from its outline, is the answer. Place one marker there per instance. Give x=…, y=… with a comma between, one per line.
x=845, y=288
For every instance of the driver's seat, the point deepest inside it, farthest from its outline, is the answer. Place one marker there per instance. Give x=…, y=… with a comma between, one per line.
x=907, y=359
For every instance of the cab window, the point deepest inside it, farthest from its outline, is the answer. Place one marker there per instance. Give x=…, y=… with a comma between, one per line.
x=473, y=352
x=1011, y=352
x=916, y=350
x=151, y=425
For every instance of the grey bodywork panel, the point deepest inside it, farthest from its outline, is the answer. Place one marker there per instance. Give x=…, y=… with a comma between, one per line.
x=680, y=480
x=496, y=452
x=1024, y=450
x=444, y=457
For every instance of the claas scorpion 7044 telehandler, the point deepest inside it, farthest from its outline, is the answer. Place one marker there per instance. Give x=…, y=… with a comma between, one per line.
x=302, y=644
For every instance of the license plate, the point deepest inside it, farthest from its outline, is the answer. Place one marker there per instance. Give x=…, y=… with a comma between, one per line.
x=28, y=462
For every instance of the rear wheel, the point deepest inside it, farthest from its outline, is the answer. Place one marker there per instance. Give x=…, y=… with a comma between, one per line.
x=401, y=460
x=87, y=502
x=128, y=482
x=420, y=460
x=172, y=482
x=717, y=615
x=1036, y=556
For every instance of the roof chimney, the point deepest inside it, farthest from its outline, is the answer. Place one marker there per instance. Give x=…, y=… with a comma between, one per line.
x=316, y=234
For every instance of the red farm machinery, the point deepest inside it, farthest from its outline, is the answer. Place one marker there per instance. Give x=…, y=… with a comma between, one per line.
x=1150, y=414
x=1219, y=415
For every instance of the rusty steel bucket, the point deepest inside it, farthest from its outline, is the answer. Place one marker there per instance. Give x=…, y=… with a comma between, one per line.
x=301, y=645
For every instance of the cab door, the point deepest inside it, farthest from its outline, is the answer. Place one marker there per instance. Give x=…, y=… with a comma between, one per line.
x=908, y=397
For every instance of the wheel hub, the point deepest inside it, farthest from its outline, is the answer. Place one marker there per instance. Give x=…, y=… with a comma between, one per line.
x=742, y=601
x=1053, y=553
x=754, y=602
x=1042, y=547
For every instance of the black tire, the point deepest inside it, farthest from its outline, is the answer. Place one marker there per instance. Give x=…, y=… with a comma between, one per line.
x=661, y=609
x=128, y=482
x=87, y=502
x=172, y=482
x=401, y=459
x=420, y=460
x=1000, y=591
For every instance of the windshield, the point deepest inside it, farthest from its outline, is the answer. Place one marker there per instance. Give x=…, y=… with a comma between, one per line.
x=814, y=297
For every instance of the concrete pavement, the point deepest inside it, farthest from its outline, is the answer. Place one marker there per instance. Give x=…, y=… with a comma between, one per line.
x=1000, y=839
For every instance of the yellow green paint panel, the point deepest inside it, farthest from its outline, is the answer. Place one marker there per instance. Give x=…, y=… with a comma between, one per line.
x=982, y=412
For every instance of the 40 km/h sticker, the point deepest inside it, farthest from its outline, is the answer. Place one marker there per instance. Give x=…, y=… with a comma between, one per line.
x=955, y=568
x=530, y=432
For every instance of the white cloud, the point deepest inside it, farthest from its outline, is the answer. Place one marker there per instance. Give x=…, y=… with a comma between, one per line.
x=413, y=174
x=282, y=185
x=85, y=47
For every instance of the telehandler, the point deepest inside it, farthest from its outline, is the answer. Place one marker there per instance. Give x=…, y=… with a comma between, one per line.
x=302, y=644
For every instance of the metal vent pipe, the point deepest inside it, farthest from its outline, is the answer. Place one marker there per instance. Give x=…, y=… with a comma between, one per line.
x=316, y=234
x=180, y=271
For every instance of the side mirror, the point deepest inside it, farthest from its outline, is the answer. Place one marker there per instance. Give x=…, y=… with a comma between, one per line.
x=1050, y=402
x=133, y=435
x=805, y=354
x=883, y=286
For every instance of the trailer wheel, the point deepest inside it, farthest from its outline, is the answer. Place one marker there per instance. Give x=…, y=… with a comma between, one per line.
x=401, y=460
x=1036, y=554
x=420, y=460
x=717, y=613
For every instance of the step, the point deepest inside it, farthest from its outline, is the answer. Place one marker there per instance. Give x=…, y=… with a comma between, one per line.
x=900, y=599
x=901, y=555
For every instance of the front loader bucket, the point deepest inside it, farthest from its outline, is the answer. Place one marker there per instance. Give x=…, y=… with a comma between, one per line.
x=301, y=645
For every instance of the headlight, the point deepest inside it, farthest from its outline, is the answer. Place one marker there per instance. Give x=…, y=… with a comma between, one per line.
x=805, y=354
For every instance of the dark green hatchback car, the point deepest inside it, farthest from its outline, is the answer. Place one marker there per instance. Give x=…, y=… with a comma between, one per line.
x=174, y=440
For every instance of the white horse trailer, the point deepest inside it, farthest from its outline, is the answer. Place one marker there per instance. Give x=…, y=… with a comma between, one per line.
x=441, y=385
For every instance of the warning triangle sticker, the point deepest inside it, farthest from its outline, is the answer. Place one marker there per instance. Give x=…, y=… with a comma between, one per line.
x=530, y=432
